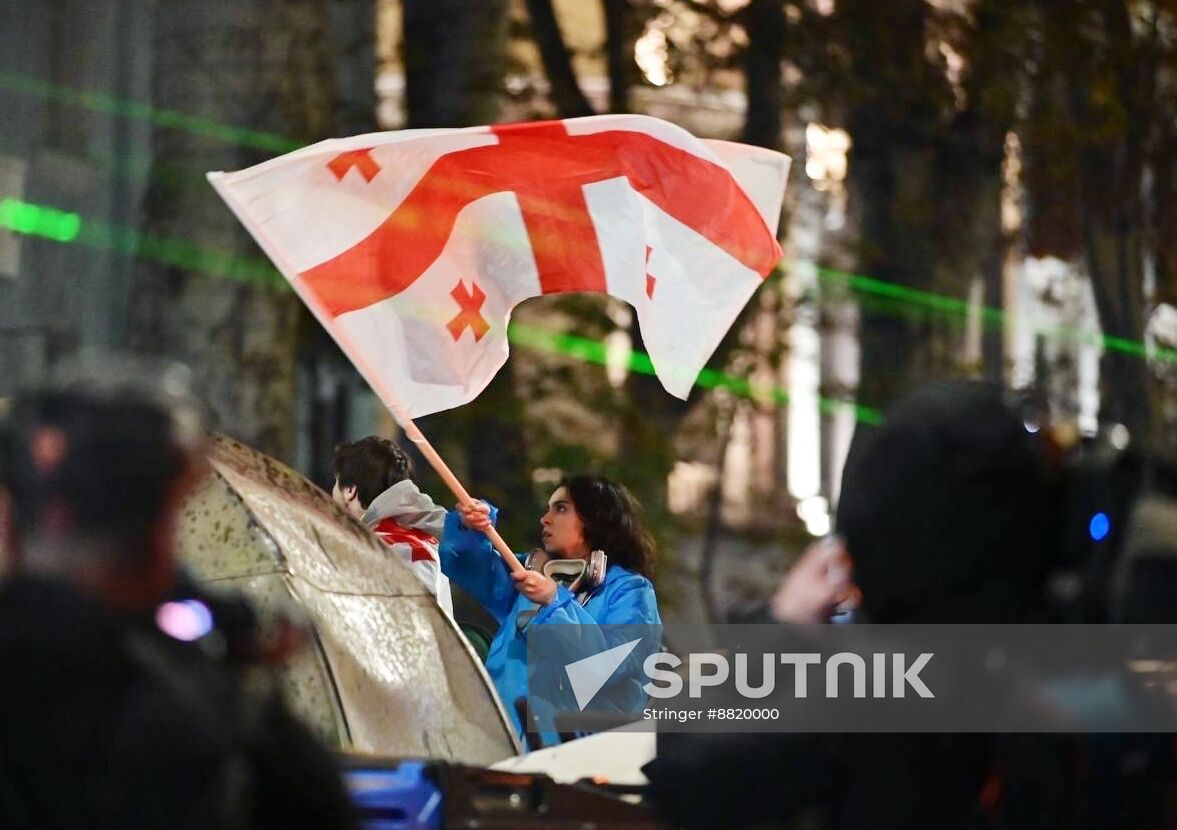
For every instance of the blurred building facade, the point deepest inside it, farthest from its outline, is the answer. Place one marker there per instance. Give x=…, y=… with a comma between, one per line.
x=110, y=237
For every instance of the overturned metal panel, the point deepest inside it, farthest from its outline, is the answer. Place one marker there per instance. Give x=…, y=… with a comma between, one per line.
x=390, y=673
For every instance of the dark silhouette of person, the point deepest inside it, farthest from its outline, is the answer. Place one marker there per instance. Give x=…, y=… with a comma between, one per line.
x=947, y=516
x=123, y=693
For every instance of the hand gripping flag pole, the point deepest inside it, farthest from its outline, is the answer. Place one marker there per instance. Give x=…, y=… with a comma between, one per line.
x=413, y=247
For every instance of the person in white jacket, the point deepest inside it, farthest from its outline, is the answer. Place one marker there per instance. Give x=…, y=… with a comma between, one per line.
x=373, y=482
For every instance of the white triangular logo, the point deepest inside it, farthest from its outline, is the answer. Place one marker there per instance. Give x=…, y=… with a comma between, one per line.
x=587, y=676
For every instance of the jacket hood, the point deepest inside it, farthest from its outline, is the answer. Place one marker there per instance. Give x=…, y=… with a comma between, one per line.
x=945, y=509
x=408, y=507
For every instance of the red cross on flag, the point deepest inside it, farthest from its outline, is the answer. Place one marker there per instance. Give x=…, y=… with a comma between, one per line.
x=413, y=247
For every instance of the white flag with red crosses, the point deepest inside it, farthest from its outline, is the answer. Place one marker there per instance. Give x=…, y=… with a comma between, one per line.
x=413, y=247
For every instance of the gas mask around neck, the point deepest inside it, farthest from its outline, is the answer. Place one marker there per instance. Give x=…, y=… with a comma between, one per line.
x=580, y=576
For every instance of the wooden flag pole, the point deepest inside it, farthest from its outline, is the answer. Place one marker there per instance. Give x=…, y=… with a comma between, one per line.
x=414, y=434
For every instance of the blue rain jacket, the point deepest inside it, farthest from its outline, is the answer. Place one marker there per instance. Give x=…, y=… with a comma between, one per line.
x=624, y=598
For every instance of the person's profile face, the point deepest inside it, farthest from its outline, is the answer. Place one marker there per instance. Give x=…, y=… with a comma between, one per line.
x=561, y=528
x=348, y=499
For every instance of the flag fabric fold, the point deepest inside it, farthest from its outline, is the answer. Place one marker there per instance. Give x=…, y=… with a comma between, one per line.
x=413, y=247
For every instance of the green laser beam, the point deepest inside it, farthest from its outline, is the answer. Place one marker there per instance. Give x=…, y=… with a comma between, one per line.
x=29, y=219
x=110, y=105
x=39, y=220
x=989, y=316
x=49, y=223
x=593, y=351
x=181, y=253
x=61, y=226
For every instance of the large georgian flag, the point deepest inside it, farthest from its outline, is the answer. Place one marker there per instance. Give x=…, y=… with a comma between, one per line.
x=413, y=247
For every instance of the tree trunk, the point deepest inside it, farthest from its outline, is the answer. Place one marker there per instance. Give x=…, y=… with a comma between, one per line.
x=621, y=32
x=454, y=64
x=251, y=65
x=353, y=48
x=454, y=57
x=497, y=463
x=898, y=343
x=892, y=127
x=926, y=172
x=328, y=378
x=970, y=177
x=714, y=526
x=1112, y=177
x=545, y=29
x=1096, y=91
x=764, y=20
x=648, y=425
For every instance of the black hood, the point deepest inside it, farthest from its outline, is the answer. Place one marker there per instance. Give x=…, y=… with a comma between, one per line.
x=946, y=509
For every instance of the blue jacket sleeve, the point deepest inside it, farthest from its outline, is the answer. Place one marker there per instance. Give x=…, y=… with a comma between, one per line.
x=632, y=603
x=469, y=559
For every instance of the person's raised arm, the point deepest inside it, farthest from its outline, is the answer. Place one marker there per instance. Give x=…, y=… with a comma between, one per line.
x=469, y=559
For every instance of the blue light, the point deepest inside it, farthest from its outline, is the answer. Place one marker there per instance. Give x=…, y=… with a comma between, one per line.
x=1099, y=527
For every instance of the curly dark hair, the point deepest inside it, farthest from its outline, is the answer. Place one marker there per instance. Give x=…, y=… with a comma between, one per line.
x=371, y=465
x=612, y=521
